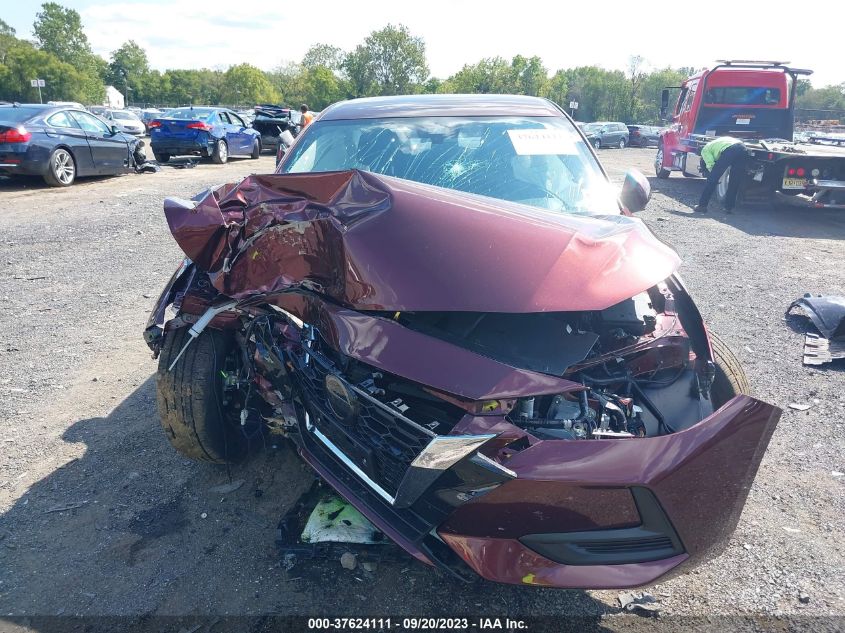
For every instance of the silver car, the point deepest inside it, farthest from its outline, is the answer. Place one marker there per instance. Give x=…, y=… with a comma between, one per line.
x=125, y=121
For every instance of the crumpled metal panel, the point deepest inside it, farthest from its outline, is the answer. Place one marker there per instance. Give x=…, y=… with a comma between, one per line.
x=374, y=242
x=826, y=313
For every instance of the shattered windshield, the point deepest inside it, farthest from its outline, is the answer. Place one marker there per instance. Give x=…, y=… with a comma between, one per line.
x=539, y=161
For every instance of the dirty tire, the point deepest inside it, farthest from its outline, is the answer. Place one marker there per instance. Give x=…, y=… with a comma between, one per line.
x=162, y=158
x=221, y=152
x=61, y=168
x=730, y=377
x=189, y=404
x=659, y=170
x=256, y=149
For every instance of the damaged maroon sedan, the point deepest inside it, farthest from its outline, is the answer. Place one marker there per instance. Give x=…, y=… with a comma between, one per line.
x=442, y=302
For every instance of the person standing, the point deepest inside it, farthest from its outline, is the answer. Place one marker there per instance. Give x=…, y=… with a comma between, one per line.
x=718, y=155
x=306, y=116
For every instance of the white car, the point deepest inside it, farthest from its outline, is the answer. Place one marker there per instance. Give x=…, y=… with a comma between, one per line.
x=125, y=121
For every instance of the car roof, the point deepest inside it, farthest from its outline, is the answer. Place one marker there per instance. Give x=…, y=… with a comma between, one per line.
x=440, y=105
x=38, y=106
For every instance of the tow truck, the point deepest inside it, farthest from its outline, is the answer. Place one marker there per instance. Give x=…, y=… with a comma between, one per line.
x=753, y=101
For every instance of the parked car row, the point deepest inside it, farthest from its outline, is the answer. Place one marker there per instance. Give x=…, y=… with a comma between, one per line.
x=604, y=134
x=61, y=142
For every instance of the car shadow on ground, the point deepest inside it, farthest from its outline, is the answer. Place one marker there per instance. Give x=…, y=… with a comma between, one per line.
x=779, y=220
x=30, y=183
x=130, y=528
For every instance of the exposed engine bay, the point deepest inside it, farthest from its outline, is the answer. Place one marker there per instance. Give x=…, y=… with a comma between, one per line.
x=630, y=370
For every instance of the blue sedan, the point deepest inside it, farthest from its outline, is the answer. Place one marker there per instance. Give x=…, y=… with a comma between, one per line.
x=215, y=133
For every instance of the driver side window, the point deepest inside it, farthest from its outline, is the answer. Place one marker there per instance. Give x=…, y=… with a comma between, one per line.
x=90, y=123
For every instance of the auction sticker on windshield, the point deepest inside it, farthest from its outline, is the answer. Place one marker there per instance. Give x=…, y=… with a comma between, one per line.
x=542, y=142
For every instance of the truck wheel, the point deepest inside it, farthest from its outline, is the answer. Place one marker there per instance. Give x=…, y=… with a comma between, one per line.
x=221, y=152
x=659, y=170
x=161, y=158
x=722, y=186
x=730, y=380
x=190, y=402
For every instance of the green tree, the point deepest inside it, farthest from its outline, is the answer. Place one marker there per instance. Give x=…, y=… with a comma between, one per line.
x=648, y=108
x=527, y=75
x=556, y=89
x=59, y=31
x=322, y=88
x=325, y=55
x=7, y=39
x=358, y=73
x=128, y=63
x=24, y=62
x=390, y=61
x=488, y=76
x=246, y=84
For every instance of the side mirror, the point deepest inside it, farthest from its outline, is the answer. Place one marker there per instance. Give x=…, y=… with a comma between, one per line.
x=664, y=104
x=636, y=191
x=113, y=129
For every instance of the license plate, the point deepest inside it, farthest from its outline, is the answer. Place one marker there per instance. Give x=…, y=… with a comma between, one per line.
x=794, y=183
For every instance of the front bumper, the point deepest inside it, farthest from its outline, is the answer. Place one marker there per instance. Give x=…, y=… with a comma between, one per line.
x=699, y=478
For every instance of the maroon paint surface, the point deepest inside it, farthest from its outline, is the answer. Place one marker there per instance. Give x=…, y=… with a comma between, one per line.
x=378, y=243
x=701, y=477
x=509, y=561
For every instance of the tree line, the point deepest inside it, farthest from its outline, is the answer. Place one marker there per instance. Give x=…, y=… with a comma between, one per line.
x=389, y=61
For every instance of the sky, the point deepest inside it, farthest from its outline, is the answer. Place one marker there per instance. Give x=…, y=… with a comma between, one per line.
x=219, y=33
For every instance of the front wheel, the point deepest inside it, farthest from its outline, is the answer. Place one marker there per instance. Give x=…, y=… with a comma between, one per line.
x=597, y=143
x=194, y=416
x=659, y=170
x=61, y=171
x=256, y=149
x=220, y=154
x=622, y=143
x=730, y=380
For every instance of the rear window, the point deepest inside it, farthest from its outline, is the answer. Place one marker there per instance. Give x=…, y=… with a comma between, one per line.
x=189, y=113
x=742, y=96
x=12, y=114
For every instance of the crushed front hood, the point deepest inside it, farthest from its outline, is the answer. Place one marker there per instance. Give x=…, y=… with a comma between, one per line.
x=374, y=242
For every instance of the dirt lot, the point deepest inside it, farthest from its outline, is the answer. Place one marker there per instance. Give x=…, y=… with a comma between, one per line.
x=101, y=517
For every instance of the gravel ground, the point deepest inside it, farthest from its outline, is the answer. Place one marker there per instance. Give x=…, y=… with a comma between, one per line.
x=101, y=517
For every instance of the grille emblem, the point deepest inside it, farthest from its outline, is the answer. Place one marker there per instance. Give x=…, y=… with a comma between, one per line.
x=342, y=400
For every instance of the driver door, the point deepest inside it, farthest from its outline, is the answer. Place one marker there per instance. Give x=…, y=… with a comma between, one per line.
x=109, y=151
x=241, y=133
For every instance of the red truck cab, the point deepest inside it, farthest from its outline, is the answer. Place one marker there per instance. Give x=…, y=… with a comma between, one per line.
x=752, y=100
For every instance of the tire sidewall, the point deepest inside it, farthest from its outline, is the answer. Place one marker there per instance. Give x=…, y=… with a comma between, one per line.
x=51, y=177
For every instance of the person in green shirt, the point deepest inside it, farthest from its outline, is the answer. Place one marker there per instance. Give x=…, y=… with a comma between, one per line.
x=718, y=155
